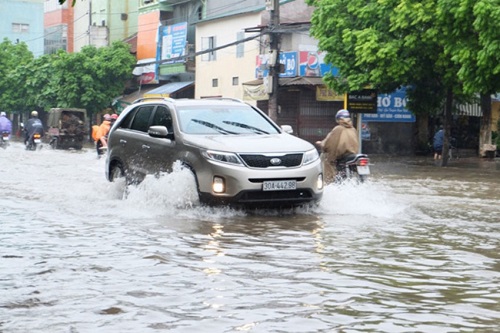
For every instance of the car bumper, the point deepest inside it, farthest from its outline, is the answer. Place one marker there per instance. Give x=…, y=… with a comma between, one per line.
x=244, y=186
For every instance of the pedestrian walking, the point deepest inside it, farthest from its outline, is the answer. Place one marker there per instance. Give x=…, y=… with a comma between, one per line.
x=437, y=143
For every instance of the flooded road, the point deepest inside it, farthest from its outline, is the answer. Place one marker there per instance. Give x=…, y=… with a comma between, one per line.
x=414, y=250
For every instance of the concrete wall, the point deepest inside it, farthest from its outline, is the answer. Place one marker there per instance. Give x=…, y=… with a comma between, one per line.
x=227, y=65
x=81, y=24
x=119, y=16
x=29, y=13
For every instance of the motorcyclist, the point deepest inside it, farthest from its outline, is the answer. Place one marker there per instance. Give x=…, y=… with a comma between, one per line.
x=34, y=125
x=5, y=123
x=341, y=141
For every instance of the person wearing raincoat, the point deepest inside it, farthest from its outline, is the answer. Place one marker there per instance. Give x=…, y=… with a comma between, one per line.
x=341, y=141
x=101, y=135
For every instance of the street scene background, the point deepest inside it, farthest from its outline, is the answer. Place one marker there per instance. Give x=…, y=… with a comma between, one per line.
x=416, y=249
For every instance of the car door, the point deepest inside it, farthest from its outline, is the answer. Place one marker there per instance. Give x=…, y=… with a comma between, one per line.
x=161, y=151
x=134, y=141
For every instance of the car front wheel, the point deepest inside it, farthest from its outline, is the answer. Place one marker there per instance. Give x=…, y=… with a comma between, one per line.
x=116, y=172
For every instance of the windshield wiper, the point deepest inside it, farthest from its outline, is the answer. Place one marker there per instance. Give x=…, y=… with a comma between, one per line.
x=210, y=125
x=255, y=129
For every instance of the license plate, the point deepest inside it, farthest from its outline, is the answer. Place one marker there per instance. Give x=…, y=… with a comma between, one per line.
x=37, y=140
x=279, y=185
x=6, y=138
x=363, y=169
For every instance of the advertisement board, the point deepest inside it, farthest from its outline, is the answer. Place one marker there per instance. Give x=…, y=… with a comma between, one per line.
x=287, y=59
x=311, y=63
x=362, y=101
x=391, y=108
x=172, y=42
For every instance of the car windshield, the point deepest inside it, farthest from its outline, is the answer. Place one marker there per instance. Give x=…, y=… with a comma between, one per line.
x=223, y=120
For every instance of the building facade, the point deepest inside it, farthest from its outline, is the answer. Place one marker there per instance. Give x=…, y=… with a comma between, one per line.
x=222, y=72
x=165, y=38
x=22, y=21
x=58, y=26
x=241, y=70
x=89, y=22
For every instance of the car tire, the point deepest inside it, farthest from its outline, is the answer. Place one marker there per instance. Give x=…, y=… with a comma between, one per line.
x=116, y=172
x=199, y=198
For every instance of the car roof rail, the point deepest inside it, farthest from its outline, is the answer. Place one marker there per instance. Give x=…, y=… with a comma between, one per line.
x=225, y=99
x=143, y=99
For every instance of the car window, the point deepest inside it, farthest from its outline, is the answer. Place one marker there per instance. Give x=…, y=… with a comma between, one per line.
x=163, y=117
x=141, y=118
x=223, y=120
x=125, y=123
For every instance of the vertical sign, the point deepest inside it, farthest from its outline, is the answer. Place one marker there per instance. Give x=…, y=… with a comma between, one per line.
x=172, y=42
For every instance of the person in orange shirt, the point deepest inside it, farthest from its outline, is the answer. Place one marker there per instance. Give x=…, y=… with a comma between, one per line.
x=101, y=135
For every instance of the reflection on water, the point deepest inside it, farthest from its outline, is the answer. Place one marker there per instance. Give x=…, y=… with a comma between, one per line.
x=414, y=250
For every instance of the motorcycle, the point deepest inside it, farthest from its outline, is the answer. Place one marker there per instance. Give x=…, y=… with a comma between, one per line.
x=353, y=167
x=34, y=142
x=4, y=139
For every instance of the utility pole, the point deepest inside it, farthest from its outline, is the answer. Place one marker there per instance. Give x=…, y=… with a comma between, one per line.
x=274, y=63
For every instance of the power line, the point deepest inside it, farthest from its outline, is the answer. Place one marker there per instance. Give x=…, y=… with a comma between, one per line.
x=199, y=52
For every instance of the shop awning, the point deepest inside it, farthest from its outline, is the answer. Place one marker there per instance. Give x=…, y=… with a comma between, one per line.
x=130, y=98
x=301, y=81
x=167, y=89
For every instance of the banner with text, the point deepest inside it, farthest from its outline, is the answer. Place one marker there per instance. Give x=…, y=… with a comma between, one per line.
x=391, y=108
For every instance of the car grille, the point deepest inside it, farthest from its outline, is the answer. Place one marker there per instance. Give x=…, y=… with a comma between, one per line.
x=276, y=196
x=264, y=161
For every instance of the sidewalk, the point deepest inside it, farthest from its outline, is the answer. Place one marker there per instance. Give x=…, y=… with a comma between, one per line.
x=492, y=164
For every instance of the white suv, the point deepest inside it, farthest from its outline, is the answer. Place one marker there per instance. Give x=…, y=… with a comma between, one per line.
x=237, y=154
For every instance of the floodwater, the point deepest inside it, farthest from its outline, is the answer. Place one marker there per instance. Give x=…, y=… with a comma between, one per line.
x=414, y=250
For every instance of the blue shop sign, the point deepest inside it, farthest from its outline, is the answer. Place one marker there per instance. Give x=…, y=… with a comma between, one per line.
x=391, y=108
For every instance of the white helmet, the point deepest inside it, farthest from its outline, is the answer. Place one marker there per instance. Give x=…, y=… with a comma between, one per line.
x=34, y=114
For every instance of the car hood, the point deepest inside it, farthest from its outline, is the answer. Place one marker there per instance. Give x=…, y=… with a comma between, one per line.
x=271, y=143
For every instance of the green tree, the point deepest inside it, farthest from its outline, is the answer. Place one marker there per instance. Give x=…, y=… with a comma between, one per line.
x=92, y=77
x=89, y=79
x=12, y=57
x=388, y=43
x=472, y=35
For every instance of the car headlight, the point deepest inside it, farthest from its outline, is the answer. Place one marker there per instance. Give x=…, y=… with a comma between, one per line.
x=223, y=157
x=310, y=156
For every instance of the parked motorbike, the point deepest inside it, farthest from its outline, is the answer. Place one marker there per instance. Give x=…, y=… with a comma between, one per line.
x=4, y=139
x=353, y=167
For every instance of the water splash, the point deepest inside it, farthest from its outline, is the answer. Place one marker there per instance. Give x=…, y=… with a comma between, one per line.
x=370, y=198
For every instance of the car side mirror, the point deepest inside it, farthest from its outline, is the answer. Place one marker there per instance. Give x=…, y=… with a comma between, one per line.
x=287, y=129
x=160, y=132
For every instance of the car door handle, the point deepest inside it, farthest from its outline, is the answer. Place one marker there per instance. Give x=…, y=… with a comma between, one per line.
x=145, y=147
x=123, y=141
